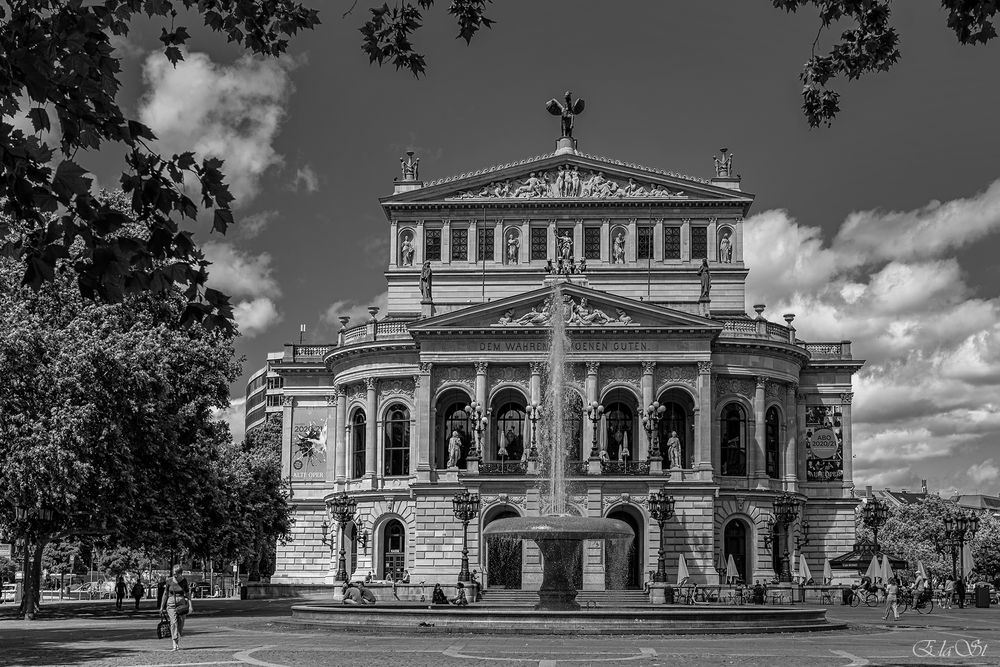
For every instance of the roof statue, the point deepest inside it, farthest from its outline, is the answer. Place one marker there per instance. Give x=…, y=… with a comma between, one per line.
x=410, y=166
x=724, y=164
x=567, y=111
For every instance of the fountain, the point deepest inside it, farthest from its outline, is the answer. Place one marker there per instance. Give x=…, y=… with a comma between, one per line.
x=559, y=536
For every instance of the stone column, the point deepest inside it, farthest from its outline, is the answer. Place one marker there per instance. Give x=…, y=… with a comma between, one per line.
x=758, y=471
x=606, y=240
x=800, y=417
x=472, y=251
x=738, y=243
x=657, y=240
x=446, y=242
x=631, y=246
x=341, y=434
x=418, y=243
x=706, y=453
x=332, y=427
x=524, y=250
x=288, y=403
x=641, y=452
x=713, y=249
x=590, y=387
x=686, y=239
x=499, y=243
x=535, y=391
x=790, y=462
x=424, y=423
x=578, y=249
x=371, y=431
x=482, y=397
x=845, y=429
x=551, y=245
x=394, y=244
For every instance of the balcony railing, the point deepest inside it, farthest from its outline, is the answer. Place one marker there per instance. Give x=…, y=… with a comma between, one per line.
x=741, y=327
x=624, y=467
x=504, y=468
x=384, y=330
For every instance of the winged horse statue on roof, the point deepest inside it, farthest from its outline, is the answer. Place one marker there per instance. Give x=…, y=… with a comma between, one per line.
x=567, y=111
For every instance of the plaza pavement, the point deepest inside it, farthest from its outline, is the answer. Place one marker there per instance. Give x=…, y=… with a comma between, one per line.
x=232, y=632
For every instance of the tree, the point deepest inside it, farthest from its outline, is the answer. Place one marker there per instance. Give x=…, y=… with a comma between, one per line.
x=58, y=60
x=107, y=414
x=986, y=547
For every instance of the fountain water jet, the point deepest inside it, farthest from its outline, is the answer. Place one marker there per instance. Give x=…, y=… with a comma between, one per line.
x=559, y=536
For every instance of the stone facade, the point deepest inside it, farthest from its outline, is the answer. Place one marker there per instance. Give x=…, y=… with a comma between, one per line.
x=757, y=411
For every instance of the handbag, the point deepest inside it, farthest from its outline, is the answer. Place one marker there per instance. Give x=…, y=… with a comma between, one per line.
x=163, y=629
x=183, y=608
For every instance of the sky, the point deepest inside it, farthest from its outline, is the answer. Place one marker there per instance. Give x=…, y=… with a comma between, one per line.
x=881, y=229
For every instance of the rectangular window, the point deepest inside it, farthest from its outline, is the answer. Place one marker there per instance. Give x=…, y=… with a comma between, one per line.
x=486, y=240
x=592, y=242
x=644, y=249
x=671, y=243
x=539, y=243
x=274, y=401
x=459, y=244
x=699, y=242
x=432, y=245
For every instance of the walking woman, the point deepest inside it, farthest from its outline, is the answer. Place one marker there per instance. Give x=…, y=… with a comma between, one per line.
x=891, y=592
x=176, y=604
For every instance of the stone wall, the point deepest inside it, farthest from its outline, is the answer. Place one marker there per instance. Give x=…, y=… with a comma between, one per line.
x=304, y=559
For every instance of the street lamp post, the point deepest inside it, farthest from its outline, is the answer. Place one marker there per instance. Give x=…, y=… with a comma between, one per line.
x=479, y=420
x=342, y=507
x=874, y=515
x=534, y=413
x=958, y=530
x=661, y=508
x=651, y=423
x=786, y=510
x=466, y=507
x=595, y=411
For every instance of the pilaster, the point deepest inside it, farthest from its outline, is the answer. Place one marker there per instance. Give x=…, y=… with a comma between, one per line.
x=371, y=432
x=706, y=452
x=425, y=422
x=845, y=430
x=790, y=463
x=646, y=385
x=758, y=471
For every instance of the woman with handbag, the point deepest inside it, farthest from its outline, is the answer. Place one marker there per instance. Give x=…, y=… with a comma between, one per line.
x=176, y=604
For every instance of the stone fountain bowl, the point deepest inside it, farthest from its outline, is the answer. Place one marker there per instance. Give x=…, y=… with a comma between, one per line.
x=560, y=539
x=560, y=527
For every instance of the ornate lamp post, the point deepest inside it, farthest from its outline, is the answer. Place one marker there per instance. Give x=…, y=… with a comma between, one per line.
x=595, y=411
x=874, y=515
x=661, y=508
x=342, y=507
x=786, y=510
x=534, y=412
x=651, y=423
x=466, y=507
x=477, y=415
x=958, y=530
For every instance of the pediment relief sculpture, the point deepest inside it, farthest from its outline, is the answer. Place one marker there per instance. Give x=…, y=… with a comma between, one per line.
x=574, y=312
x=566, y=182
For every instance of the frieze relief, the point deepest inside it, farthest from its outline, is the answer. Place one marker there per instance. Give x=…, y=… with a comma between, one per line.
x=461, y=375
x=502, y=498
x=395, y=387
x=617, y=375
x=729, y=385
x=500, y=375
x=627, y=498
x=774, y=390
x=686, y=375
x=575, y=313
x=571, y=182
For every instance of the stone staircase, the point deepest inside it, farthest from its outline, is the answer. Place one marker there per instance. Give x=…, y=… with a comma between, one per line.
x=603, y=599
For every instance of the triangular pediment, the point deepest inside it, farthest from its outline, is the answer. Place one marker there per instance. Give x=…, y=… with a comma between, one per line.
x=569, y=177
x=583, y=309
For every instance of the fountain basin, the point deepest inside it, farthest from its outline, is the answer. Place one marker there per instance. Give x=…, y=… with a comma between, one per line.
x=560, y=539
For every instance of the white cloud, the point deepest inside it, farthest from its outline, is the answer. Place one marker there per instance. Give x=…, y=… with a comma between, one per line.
x=305, y=179
x=252, y=225
x=356, y=310
x=984, y=472
x=248, y=279
x=232, y=112
x=235, y=416
x=928, y=398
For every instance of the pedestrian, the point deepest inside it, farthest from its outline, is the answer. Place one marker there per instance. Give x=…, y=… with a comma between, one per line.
x=891, y=591
x=176, y=604
x=406, y=577
x=460, y=599
x=138, y=590
x=160, y=586
x=352, y=595
x=960, y=593
x=121, y=590
x=367, y=597
x=949, y=592
x=438, y=597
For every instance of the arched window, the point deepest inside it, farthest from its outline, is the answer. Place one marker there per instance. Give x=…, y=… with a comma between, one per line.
x=452, y=418
x=732, y=428
x=393, y=550
x=573, y=425
x=509, y=428
x=735, y=545
x=397, y=441
x=359, y=428
x=620, y=422
x=772, y=436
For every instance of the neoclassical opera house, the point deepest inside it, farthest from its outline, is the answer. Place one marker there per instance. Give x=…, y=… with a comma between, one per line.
x=652, y=276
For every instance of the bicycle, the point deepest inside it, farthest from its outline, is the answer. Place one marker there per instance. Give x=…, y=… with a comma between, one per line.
x=868, y=597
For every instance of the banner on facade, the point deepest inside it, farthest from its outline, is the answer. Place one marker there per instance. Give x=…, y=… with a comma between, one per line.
x=311, y=431
x=824, y=444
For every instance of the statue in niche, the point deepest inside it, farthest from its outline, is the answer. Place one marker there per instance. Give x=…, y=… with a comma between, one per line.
x=674, y=450
x=726, y=249
x=425, y=282
x=618, y=251
x=565, y=246
x=406, y=249
x=567, y=112
x=706, y=280
x=513, y=245
x=454, y=449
